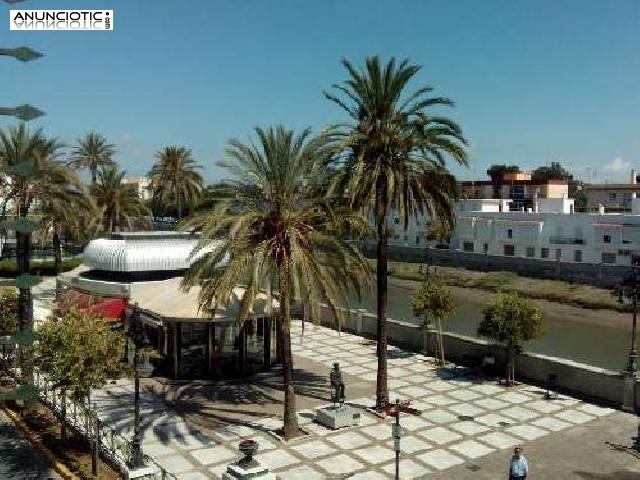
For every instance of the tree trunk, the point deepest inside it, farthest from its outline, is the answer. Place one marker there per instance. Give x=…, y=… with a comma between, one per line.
x=93, y=175
x=57, y=249
x=382, y=392
x=510, y=361
x=290, y=427
x=63, y=414
x=440, y=341
x=25, y=311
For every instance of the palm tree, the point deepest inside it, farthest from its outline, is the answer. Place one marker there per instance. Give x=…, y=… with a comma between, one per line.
x=274, y=232
x=174, y=179
x=392, y=154
x=92, y=152
x=120, y=205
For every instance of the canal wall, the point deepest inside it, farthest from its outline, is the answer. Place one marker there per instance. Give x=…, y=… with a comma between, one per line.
x=600, y=275
x=577, y=379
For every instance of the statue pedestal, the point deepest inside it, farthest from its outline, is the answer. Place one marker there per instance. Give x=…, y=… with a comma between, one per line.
x=235, y=471
x=337, y=416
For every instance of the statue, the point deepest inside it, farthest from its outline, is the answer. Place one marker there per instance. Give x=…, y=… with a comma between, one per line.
x=337, y=396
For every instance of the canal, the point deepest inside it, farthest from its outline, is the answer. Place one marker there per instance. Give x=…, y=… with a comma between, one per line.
x=597, y=337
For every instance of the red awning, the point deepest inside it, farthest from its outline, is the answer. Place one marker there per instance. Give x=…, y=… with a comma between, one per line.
x=110, y=308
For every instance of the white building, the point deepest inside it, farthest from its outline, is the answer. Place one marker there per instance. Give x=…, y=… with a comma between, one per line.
x=550, y=231
x=141, y=184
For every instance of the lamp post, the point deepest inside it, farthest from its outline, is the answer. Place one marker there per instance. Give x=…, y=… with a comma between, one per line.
x=630, y=289
x=24, y=54
x=139, y=339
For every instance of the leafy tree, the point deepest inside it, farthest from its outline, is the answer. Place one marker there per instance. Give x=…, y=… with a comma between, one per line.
x=555, y=171
x=174, y=178
x=275, y=232
x=496, y=172
x=433, y=299
x=120, y=205
x=92, y=152
x=392, y=153
x=439, y=231
x=510, y=320
x=78, y=351
x=8, y=312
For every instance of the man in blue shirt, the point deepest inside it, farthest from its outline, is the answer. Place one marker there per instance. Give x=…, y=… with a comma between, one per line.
x=518, y=467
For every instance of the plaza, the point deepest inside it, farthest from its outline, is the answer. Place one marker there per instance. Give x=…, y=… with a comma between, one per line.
x=467, y=429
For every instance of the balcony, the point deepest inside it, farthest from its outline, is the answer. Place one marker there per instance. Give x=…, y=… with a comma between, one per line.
x=566, y=240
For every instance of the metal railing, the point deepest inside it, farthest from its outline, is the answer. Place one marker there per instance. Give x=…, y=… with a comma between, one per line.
x=85, y=422
x=566, y=240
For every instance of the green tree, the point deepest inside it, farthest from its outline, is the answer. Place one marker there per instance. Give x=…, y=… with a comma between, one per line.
x=393, y=153
x=555, y=171
x=510, y=320
x=433, y=299
x=119, y=204
x=8, y=312
x=77, y=351
x=174, y=179
x=92, y=153
x=496, y=172
x=274, y=232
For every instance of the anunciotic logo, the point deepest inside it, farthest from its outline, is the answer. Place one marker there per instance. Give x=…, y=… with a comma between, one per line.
x=61, y=19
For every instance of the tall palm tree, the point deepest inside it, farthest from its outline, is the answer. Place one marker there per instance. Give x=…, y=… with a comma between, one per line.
x=392, y=154
x=174, y=178
x=92, y=152
x=274, y=232
x=120, y=205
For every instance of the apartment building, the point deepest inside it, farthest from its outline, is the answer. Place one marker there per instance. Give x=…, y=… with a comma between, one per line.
x=612, y=196
x=140, y=184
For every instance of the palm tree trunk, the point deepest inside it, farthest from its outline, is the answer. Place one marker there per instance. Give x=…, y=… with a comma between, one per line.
x=25, y=310
x=57, y=249
x=382, y=392
x=441, y=342
x=93, y=175
x=509, y=375
x=290, y=427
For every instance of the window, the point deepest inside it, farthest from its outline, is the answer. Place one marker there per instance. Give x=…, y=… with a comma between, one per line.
x=531, y=252
x=612, y=196
x=577, y=255
x=544, y=253
x=467, y=246
x=417, y=239
x=608, y=257
x=485, y=248
x=406, y=237
x=509, y=250
x=510, y=234
x=396, y=221
x=558, y=254
x=607, y=238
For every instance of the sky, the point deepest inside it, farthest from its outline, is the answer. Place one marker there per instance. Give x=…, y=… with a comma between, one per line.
x=533, y=81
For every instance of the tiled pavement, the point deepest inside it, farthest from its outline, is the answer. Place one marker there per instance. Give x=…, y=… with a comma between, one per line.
x=437, y=440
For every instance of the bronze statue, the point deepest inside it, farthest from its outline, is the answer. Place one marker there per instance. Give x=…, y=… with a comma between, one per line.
x=337, y=395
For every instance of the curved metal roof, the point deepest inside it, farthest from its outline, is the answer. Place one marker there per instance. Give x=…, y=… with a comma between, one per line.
x=141, y=252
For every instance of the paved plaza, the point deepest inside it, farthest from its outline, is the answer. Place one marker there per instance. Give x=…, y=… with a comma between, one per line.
x=467, y=429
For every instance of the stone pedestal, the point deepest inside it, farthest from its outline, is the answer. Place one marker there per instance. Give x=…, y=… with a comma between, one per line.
x=260, y=472
x=337, y=416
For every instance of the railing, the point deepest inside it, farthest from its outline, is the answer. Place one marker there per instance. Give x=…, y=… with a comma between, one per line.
x=85, y=422
x=567, y=240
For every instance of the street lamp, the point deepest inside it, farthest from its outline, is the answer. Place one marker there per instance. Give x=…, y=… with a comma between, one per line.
x=139, y=339
x=12, y=2
x=24, y=54
x=23, y=112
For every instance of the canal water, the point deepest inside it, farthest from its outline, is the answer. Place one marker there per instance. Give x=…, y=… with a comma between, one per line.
x=601, y=338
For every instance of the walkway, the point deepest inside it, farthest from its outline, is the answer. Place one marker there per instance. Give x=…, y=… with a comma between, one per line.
x=19, y=460
x=467, y=429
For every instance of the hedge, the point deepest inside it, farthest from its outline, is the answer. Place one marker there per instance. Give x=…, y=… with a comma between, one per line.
x=8, y=268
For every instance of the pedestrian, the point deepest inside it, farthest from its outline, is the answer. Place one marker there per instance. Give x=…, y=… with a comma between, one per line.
x=518, y=467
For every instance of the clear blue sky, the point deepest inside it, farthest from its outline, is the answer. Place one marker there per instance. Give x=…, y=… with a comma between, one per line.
x=533, y=81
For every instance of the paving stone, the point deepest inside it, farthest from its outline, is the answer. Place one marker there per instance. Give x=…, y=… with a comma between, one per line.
x=464, y=395
x=498, y=440
x=339, y=464
x=158, y=449
x=528, y=432
x=468, y=428
x=313, y=449
x=513, y=397
x=439, y=435
x=409, y=469
x=416, y=392
x=375, y=454
x=420, y=379
x=551, y=423
x=193, y=476
x=439, y=416
x=544, y=406
x=519, y=413
x=176, y=464
x=218, y=470
x=217, y=454
x=411, y=444
x=379, y=431
x=471, y=449
x=369, y=476
x=595, y=410
x=491, y=404
x=465, y=409
x=487, y=389
x=440, y=400
x=304, y=472
x=440, y=386
x=440, y=459
x=494, y=420
x=276, y=459
x=356, y=370
x=348, y=440
x=413, y=422
x=574, y=416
